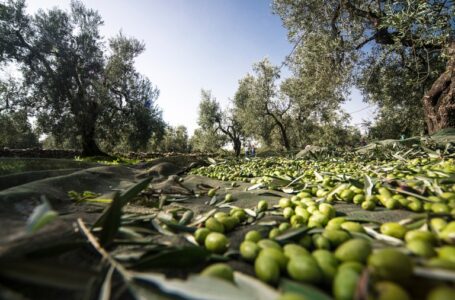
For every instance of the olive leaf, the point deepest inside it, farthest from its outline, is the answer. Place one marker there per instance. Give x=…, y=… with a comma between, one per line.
x=203, y=218
x=256, y=186
x=160, y=229
x=196, y=287
x=123, y=199
x=288, y=190
x=269, y=194
x=306, y=290
x=178, y=227
x=318, y=176
x=141, y=292
x=105, y=292
x=406, y=192
x=336, y=190
x=134, y=190
x=111, y=221
x=295, y=180
x=42, y=215
x=250, y=212
x=435, y=273
x=368, y=185
x=211, y=161
x=382, y=237
x=213, y=201
x=255, y=287
x=187, y=217
x=291, y=234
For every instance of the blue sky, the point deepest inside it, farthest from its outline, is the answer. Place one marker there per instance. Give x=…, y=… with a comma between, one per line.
x=194, y=44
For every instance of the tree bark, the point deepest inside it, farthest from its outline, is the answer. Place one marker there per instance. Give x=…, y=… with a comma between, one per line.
x=87, y=124
x=283, y=133
x=439, y=101
x=89, y=146
x=284, y=136
x=237, y=146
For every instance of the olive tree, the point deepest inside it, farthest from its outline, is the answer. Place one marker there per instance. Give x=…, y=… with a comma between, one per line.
x=364, y=38
x=213, y=119
x=16, y=130
x=74, y=85
x=174, y=139
x=258, y=96
x=206, y=141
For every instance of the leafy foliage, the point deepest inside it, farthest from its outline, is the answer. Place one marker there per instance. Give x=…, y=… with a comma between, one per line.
x=215, y=121
x=391, y=50
x=206, y=141
x=175, y=139
x=75, y=87
x=19, y=134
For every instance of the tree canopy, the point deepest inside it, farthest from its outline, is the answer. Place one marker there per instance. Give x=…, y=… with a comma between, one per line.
x=393, y=51
x=213, y=120
x=75, y=86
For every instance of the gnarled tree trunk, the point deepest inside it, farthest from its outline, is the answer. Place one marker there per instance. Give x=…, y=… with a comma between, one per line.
x=89, y=146
x=439, y=101
x=237, y=146
x=86, y=125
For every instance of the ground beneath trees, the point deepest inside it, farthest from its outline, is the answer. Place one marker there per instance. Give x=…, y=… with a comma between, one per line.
x=25, y=181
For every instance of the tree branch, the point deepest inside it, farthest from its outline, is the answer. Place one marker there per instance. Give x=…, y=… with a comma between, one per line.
x=366, y=41
x=32, y=51
x=374, y=18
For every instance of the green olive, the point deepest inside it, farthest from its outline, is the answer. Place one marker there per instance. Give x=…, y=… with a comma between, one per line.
x=353, y=250
x=266, y=243
x=262, y=205
x=390, y=264
x=214, y=225
x=304, y=268
x=249, y=250
x=200, y=234
x=228, y=197
x=211, y=192
x=274, y=233
x=267, y=269
x=421, y=248
x=253, y=236
x=216, y=242
x=393, y=229
x=219, y=270
x=285, y=202
x=277, y=255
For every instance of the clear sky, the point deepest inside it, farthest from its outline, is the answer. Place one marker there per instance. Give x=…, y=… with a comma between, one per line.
x=194, y=44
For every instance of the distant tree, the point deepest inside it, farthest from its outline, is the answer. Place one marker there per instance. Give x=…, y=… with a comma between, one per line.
x=175, y=139
x=207, y=141
x=260, y=127
x=258, y=96
x=394, y=123
x=213, y=119
x=16, y=131
x=317, y=117
x=399, y=53
x=74, y=86
x=130, y=113
x=52, y=143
